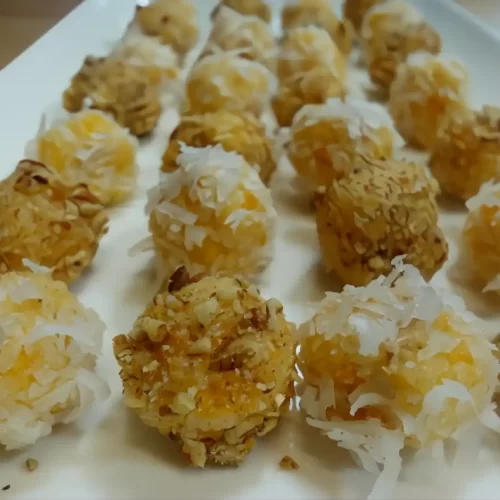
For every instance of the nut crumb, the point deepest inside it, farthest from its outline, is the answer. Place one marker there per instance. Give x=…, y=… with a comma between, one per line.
x=178, y=280
x=288, y=463
x=31, y=464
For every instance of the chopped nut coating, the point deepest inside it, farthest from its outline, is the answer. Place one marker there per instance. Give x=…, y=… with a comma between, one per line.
x=121, y=89
x=219, y=377
x=48, y=223
x=383, y=209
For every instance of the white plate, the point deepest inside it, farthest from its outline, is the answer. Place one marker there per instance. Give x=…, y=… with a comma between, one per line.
x=110, y=454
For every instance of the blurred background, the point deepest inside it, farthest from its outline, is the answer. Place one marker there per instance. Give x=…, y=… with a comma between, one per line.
x=22, y=22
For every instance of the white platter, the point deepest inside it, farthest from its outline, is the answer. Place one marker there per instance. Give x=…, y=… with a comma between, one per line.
x=110, y=454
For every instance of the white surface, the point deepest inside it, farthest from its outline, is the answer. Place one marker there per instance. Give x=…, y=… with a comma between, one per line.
x=110, y=454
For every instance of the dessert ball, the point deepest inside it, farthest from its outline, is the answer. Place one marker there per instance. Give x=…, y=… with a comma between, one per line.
x=391, y=32
x=160, y=62
x=258, y=8
x=129, y=94
x=481, y=236
x=240, y=133
x=314, y=87
x=250, y=36
x=48, y=223
x=308, y=48
x=356, y=10
x=209, y=363
x=386, y=17
x=325, y=139
x=382, y=209
x=427, y=92
x=224, y=80
x=213, y=214
x=90, y=148
x=175, y=23
x=48, y=351
x=466, y=153
x=319, y=13
x=395, y=363
x=311, y=70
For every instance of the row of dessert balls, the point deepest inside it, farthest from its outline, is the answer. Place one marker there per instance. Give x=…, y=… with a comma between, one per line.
x=324, y=145
x=428, y=101
x=212, y=364
x=54, y=204
x=54, y=210
x=54, y=213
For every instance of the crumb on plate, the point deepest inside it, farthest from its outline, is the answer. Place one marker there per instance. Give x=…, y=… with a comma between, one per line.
x=288, y=463
x=31, y=464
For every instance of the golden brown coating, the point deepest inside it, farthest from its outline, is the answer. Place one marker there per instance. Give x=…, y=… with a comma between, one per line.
x=355, y=10
x=249, y=36
x=174, y=22
x=427, y=92
x=258, y=8
x=384, y=55
x=467, y=153
x=318, y=13
x=242, y=134
x=326, y=138
x=124, y=90
x=209, y=363
x=226, y=81
x=383, y=209
x=48, y=223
